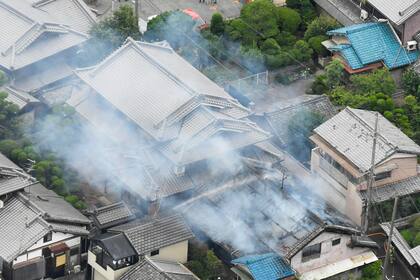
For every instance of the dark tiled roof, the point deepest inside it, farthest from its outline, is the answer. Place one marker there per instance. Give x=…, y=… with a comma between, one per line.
x=280, y=118
x=155, y=233
x=112, y=215
x=116, y=245
x=55, y=207
x=148, y=269
x=401, y=188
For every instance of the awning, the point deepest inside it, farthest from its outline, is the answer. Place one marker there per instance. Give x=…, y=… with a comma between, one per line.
x=59, y=248
x=340, y=267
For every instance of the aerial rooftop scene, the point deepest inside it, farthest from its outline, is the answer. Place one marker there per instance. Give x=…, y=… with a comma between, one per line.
x=209, y=139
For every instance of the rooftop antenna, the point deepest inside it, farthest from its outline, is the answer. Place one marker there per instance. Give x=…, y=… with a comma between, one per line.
x=391, y=231
x=371, y=179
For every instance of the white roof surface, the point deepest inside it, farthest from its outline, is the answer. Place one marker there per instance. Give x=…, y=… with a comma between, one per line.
x=397, y=11
x=350, y=132
x=33, y=30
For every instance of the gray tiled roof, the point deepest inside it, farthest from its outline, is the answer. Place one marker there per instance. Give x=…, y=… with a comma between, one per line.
x=55, y=207
x=12, y=177
x=155, y=233
x=148, y=269
x=113, y=214
x=396, y=11
x=415, y=253
x=344, y=11
x=399, y=242
x=160, y=90
x=401, y=188
x=31, y=31
x=350, y=132
x=280, y=118
x=21, y=226
x=19, y=98
x=71, y=229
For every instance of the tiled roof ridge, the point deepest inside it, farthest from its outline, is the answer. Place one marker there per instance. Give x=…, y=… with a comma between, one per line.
x=83, y=7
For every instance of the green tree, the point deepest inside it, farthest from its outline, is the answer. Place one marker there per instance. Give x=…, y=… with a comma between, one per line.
x=301, y=51
x=204, y=263
x=235, y=28
x=416, y=241
x=319, y=86
x=252, y=58
x=217, y=25
x=334, y=73
x=379, y=80
x=408, y=236
x=288, y=19
x=372, y=271
x=286, y=39
x=411, y=82
x=3, y=78
x=305, y=8
x=260, y=18
x=316, y=44
x=320, y=26
x=270, y=47
x=115, y=29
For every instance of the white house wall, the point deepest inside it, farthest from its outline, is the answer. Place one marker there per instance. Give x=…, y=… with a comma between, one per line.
x=329, y=254
x=36, y=249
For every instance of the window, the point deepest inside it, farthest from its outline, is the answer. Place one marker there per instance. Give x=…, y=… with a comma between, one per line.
x=154, y=253
x=336, y=241
x=311, y=252
x=48, y=237
x=382, y=175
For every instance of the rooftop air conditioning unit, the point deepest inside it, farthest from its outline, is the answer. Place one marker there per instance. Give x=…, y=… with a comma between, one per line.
x=1, y=204
x=364, y=14
x=411, y=45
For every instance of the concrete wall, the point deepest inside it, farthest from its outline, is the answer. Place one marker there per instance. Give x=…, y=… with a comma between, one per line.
x=411, y=27
x=177, y=253
x=329, y=254
x=36, y=249
x=100, y=273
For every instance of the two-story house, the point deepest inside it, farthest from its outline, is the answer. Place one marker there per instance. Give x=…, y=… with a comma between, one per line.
x=161, y=238
x=343, y=153
x=41, y=234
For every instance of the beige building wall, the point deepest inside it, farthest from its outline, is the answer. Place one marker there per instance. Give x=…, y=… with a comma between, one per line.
x=177, y=253
x=104, y=274
x=403, y=166
x=329, y=254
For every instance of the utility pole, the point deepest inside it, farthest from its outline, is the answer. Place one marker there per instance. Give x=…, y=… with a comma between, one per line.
x=371, y=179
x=388, y=245
x=136, y=9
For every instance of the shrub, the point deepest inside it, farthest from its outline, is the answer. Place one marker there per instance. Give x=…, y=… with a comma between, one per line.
x=411, y=82
x=319, y=86
x=372, y=271
x=301, y=51
x=289, y=20
x=217, y=25
x=408, y=235
x=416, y=241
x=286, y=39
x=270, y=46
x=316, y=44
x=320, y=26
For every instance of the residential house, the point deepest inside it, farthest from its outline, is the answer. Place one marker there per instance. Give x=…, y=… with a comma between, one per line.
x=262, y=267
x=293, y=222
x=40, y=40
x=367, y=46
x=404, y=16
x=175, y=117
x=41, y=234
x=343, y=153
x=151, y=269
x=162, y=238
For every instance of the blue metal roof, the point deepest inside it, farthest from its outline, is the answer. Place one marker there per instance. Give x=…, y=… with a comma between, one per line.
x=370, y=43
x=269, y=266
